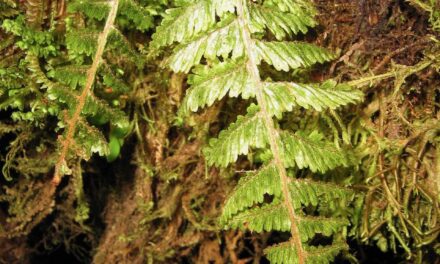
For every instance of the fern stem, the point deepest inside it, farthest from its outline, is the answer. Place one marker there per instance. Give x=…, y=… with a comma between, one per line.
x=274, y=137
x=91, y=74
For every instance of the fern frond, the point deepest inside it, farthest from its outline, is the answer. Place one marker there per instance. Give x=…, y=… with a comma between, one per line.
x=189, y=20
x=183, y=22
x=209, y=84
x=71, y=75
x=8, y=8
x=225, y=51
x=293, y=6
x=279, y=23
x=286, y=253
x=82, y=41
x=93, y=9
x=311, y=151
x=248, y=131
x=95, y=106
x=222, y=40
x=135, y=14
x=285, y=56
x=309, y=226
x=275, y=216
x=307, y=192
x=88, y=140
x=284, y=96
x=117, y=85
x=251, y=190
x=119, y=45
x=73, y=119
x=35, y=12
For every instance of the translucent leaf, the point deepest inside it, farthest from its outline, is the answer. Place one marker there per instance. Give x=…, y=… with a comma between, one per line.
x=268, y=217
x=307, y=192
x=280, y=23
x=251, y=189
x=185, y=22
x=136, y=14
x=248, y=131
x=283, y=96
x=274, y=216
x=209, y=84
x=291, y=55
x=224, y=39
x=72, y=75
x=285, y=253
x=87, y=140
x=82, y=41
x=93, y=9
x=293, y=6
x=309, y=226
x=312, y=151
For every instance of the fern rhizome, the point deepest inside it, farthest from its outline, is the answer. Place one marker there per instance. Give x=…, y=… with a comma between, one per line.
x=224, y=43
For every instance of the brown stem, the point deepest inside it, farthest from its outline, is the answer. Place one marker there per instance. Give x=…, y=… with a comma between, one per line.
x=91, y=73
x=274, y=137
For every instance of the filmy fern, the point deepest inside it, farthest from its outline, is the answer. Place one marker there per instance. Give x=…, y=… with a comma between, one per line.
x=224, y=43
x=79, y=79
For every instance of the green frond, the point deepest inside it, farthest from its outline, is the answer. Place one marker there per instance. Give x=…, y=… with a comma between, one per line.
x=279, y=23
x=113, y=79
x=189, y=20
x=10, y=78
x=93, y=9
x=8, y=8
x=183, y=23
x=293, y=6
x=325, y=254
x=98, y=107
x=93, y=105
x=285, y=253
x=117, y=85
x=120, y=46
x=273, y=216
x=71, y=75
x=89, y=140
x=283, y=96
x=61, y=94
x=285, y=56
x=131, y=13
x=209, y=84
x=311, y=151
x=36, y=42
x=251, y=190
x=307, y=192
x=14, y=99
x=82, y=42
x=309, y=226
x=248, y=131
x=55, y=91
x=222, y=40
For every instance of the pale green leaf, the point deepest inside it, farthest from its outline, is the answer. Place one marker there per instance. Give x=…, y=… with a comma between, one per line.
x=248, y=131
x=209, y=84
x=251, y=190
x=283, y=96
x=312, y=151
x=291, y=55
